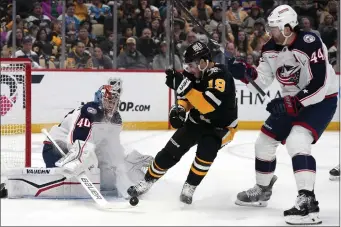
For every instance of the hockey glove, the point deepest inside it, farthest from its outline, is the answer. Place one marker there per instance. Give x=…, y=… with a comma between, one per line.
x=177, y=118
x=185, y=86
x=239, y=68
x=80, y=157
x=287, y=105
x=172, y=76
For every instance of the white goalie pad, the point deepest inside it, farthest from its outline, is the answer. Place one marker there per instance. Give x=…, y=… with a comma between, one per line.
x=47, y=183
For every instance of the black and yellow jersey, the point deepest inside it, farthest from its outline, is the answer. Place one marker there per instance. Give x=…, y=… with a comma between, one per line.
x=212, y=100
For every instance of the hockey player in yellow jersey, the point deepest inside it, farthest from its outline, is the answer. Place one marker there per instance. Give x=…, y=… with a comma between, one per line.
x=207, y=92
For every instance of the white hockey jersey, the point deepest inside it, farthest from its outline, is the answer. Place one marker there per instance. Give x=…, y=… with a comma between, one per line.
x=302, y=69
x=87, y=123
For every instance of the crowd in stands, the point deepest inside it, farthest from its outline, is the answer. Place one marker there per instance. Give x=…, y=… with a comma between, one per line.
x=141, y=37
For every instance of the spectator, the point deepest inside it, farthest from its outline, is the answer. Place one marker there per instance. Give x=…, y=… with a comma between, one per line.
x=126, y=13
x=201, y=11
x=7, y=19
x=50, y=8
x=249, y=22
x=259, y=37
x=306, y=26
x=26, y=51
x=242, y=44
x=81, y=10
x=131, y=58
x=332, y=55
x=19, y=39
x=99, y=11
x=322, y=11
x=306, y=8
x=228, y=31
x=216, y=19
x=328, y=31
x=83, y=36
x=32, y=31
x=78, y=58
x=250, y=60
x=100, y=60
x=37, y=14
x=179, y=33
x=156, y=31
x=191, y=38
x=88, y=26
x=142, y=6
x=236, y=15
x=70, y=16
x=42, y=45
x=145, y=22
x=230, y=50
x=146, y=45
x=127, y=33
x=160, y=60
x=333, y=10
x=56, y=33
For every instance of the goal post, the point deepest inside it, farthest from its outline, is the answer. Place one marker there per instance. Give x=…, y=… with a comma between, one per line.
x=15, y=109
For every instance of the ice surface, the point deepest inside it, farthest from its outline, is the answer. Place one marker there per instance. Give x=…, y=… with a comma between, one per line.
x=213, y=204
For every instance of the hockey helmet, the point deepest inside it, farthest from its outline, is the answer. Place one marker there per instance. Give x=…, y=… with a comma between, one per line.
x=197, y=51
x=282, y=16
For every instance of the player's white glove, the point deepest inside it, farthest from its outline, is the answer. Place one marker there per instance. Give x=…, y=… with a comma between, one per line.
x=80, y=158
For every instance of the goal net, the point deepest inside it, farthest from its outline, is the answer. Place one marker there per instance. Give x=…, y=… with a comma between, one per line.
x=15, y=110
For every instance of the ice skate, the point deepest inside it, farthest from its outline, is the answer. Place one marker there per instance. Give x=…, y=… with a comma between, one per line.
x=187, y=193
x=305, y=212
x=256, y=196
x=142, y=187
x=334, y=174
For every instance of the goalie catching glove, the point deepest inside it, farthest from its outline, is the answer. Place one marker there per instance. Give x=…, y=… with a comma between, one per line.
x=80, y=158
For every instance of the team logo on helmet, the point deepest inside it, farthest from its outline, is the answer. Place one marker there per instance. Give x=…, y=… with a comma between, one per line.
x=288, y=75
x=309, y=38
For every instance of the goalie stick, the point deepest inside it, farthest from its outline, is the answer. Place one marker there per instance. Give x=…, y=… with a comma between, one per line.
x=183, y=8
x=88, y=185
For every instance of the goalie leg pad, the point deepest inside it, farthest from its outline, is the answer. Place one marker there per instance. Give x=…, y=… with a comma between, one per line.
x=47, y=183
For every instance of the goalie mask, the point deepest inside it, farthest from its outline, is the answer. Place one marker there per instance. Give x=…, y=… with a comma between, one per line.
x=108, y=96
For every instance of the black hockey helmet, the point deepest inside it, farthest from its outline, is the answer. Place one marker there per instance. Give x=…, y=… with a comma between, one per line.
x=196, y=51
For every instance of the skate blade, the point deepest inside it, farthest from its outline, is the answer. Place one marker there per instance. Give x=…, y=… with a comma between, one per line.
x=251, y=204
x=310, y=219
x=334, y=178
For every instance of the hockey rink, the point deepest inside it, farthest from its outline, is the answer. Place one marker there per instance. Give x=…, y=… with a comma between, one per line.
x=213, y=202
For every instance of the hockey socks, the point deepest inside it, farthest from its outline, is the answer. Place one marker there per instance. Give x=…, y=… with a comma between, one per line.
x=264, y=171
x=198, y=171
x=154, y=172
x=304, y=167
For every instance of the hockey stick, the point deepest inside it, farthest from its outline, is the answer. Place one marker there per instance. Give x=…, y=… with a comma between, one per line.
x=183, y=8
x=173, y=53
x=88, y=185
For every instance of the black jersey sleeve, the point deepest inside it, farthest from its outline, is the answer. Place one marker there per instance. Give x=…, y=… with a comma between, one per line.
x=212, y=97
